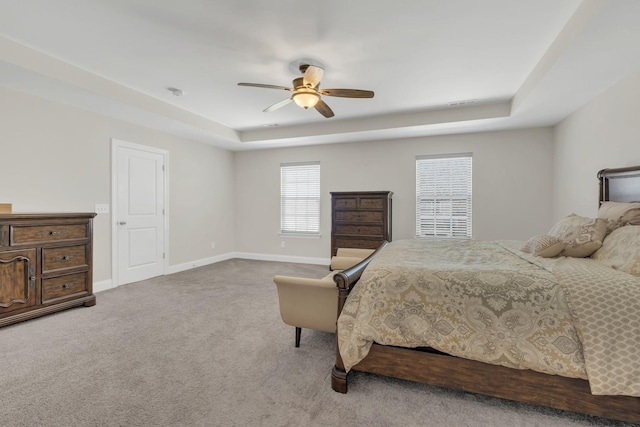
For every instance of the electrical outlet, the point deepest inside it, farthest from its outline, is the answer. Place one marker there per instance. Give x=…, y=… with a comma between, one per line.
x=102, y=208
x=213, y=245
x=282, y=244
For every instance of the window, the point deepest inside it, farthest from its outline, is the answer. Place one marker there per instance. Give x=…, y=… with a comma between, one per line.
x=300, y=198
x=443, y=196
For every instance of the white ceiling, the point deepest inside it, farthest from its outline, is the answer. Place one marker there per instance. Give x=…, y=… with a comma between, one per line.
x=522, y=63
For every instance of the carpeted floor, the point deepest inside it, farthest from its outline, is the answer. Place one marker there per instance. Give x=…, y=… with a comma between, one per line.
x=206, y=347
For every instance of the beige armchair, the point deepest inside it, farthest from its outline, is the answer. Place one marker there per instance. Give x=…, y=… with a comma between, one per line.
x=313, y=303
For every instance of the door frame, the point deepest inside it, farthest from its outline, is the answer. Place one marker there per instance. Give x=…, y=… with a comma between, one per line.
x=115, y=145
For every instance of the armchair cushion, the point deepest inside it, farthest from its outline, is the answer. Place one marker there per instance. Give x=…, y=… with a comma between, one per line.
x=348, y=257
x=353, y=252
x=344, y=262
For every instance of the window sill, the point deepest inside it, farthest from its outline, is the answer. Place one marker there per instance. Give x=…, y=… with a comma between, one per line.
x=442, y=237
x=301, y=235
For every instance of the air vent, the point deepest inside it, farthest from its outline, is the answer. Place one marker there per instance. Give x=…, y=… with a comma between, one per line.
x=461, y=103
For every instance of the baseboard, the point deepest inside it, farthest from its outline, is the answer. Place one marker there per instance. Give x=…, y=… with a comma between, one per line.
x=282, y=258
x=104, y=285
x=199, y=263
x=246, y=255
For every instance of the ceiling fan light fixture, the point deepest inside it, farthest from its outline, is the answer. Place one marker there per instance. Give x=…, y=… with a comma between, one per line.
x=306, y=92
x=306, y=99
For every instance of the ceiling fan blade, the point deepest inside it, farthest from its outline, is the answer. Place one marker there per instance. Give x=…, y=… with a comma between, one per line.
x=324, y=109
x=277, y=105
x=348, y=93
x=266, y=86
x=312, y=76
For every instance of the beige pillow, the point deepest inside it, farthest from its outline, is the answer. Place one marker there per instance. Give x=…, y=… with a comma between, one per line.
x=544, y=246
x=582, y=236
x=619, y=214
x=621, y=250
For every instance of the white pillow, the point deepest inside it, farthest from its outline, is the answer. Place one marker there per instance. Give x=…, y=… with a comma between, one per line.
x=621, y=250
x=618, y=214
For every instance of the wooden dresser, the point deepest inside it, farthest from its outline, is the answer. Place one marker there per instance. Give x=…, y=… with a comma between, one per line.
x=45, y=264
x=360, y=219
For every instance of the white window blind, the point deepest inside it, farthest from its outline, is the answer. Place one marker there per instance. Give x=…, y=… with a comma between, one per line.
x=443, y=196
x=300, y=198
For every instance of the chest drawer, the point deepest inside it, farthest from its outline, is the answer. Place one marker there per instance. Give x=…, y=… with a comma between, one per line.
x=370, y=203
x=346, y=203
x=369, y=230
x=47, y=233
x=358, y=243
x=359, y=216
x=63, y=286
x=64, y=257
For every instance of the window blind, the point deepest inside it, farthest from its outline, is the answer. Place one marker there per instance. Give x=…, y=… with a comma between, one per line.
x=443, y=196
x=300, y=198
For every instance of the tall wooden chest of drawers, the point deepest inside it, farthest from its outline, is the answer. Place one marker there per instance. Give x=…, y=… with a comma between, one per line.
x=45, y=264
x=360, y=219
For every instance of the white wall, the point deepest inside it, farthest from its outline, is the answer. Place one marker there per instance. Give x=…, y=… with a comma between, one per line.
x=512, y=182
x=605, y=133
x=55, y=158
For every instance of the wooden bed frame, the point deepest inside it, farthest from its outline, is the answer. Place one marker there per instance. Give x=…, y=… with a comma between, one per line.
x=432, y=367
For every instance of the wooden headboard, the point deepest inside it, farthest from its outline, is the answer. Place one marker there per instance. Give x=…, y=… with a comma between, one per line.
x=620, y=185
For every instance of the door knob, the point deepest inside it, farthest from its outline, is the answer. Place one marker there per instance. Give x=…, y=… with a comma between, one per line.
x=123, y=223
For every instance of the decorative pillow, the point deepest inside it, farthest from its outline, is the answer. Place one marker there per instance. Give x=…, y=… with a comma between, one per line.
x=619, y=214
x=621, y=250
x=612, y=224
x=582, y=236
x=544, y=246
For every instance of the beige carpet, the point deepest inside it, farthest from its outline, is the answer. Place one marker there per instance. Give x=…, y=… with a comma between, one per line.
x=206, y=347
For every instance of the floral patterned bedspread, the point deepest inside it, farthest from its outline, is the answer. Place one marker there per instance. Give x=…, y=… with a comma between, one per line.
x=479, y=300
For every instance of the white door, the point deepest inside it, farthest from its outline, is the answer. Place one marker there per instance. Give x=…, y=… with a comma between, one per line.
x=139, y=212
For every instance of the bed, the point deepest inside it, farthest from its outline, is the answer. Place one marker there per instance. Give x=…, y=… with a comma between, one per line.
x=557, y=384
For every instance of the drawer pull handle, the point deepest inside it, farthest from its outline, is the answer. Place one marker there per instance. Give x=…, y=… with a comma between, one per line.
x=67, y=285
x=64, y=258
x=53, y=232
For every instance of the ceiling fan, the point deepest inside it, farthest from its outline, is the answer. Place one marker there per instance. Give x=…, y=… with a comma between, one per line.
x=307, y=93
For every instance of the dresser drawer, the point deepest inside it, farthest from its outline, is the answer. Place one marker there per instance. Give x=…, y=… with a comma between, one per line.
x=370, y=203
x=359, y=216
x=360, y=230
x=359, y=203
x=64, y=257
x=64, y=286
x=346, y=203
x=349, y=242
x=47, y=233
